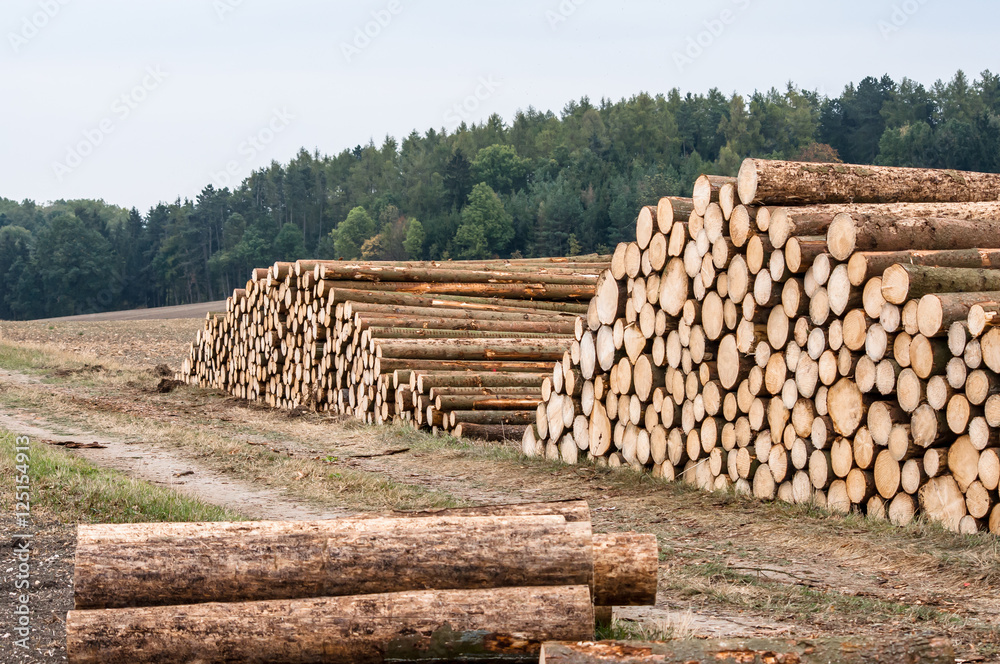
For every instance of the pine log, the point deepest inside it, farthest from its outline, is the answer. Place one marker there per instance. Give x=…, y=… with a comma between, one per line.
x=288, y=560
x=917, y=650
x=423, y=381
x=625, y=569
x=848, y=234
x=533, y=350
x=435, y=624
x=902, y=282
x=865, y=265
x=942, y=501
x=490, y=432
x=767, y=182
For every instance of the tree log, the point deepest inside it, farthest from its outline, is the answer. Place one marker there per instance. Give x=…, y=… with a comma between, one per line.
x=917, y=650
x=902, y=282
x=848, y=234
x=490, y=432
x=767, y=182
x=435, y=624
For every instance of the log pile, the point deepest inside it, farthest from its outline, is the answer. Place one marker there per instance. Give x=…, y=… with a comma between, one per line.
x=444, y=346
x=802, y=332
x=490, y=582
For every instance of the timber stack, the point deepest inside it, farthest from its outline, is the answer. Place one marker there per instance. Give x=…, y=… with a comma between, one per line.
x=444, y=346
x=489, y=582
x=820, y=333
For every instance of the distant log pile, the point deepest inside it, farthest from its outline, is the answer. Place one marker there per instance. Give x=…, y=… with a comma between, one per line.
x=446, y=346
x=804, y=332
x=491, y=583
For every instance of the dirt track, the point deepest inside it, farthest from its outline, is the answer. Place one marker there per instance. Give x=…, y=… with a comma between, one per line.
x=161, y=313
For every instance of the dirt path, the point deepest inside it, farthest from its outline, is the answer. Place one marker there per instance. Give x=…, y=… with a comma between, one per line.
x=174, y=470
x=160, y=313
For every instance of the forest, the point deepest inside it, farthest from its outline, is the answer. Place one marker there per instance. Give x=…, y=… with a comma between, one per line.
x=539, y=184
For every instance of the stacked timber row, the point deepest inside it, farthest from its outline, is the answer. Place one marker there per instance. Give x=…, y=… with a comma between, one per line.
x=441, y=345
x=805, y=332
x=490, y=582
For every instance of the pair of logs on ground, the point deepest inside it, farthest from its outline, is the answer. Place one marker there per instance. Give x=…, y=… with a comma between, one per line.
x=495, y=581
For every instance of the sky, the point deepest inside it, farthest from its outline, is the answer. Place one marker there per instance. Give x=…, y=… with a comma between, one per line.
x=141, y=101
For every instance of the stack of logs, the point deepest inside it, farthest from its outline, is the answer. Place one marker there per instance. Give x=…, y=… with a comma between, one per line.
x=491, y=583
x=457, y=346
x=805, y=332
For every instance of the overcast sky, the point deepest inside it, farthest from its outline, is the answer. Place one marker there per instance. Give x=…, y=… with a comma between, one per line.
x=138, y=101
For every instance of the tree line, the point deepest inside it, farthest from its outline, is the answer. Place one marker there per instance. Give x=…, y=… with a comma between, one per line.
x=542, y=184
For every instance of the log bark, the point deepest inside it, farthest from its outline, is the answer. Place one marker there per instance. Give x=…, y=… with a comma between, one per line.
x=767, y=182
x=849, y=233
x=532, y=350
x=435, y=624
x=902, y=282
x=625, y=569
x=490, y=432
x=864, y=265
x=423, y=381
x=918, y=650
x=158, y=564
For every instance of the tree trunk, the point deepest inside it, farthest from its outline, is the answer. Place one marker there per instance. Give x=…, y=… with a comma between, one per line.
x=849, y=233
x=915, y=650
x=523, y=291
x=530, y=350
x=936, y=313
x=160, y=564
x=384, y=365
x=864, y=265
x=766, y=182
x=500, y=433
x=902, y=282
x=435, y=624
x=423, y=381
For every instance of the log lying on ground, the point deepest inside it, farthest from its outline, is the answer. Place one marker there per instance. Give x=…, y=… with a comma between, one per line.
x=505, y=623
x=118, y=566
x=766, y=182
x=917, y=650
x=625, y=569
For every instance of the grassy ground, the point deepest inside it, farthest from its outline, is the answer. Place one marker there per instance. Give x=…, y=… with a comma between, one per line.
x=66, y=490
x=729, y=566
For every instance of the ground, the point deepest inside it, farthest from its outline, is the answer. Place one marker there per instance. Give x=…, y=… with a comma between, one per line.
x=729, y=566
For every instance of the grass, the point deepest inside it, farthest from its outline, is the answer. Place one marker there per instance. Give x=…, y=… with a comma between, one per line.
x=71, y=490
x=238, y=449
x=632, y=630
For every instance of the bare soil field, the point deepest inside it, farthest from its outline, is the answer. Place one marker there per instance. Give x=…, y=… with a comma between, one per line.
x=729, y=566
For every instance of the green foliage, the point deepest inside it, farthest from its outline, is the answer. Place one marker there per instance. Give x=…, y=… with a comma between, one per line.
x=352, y=233
x=289, y=243
x=501, y=168
x=414, y=242
x=546, y=183
x=486, y=226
